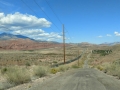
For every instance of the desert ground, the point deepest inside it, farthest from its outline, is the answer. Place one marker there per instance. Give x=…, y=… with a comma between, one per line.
x=27, y=61
x=33, y=65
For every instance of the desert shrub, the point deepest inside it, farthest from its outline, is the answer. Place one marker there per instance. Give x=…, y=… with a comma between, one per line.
x=67, y=67
x=113, y=69
x=27, y=64
x=17, y=76
x=53, y=71
x=62, y=68
x=100, y=68
x=103, y=54
x=40, y=71
x=75, y=66
x=54, y=61
x=118, y=73
x=105, y=70
x=4, y=70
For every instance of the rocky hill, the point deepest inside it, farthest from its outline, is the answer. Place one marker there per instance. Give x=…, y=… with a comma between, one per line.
x=8, y=36
x=19, y=42
x=25, y=44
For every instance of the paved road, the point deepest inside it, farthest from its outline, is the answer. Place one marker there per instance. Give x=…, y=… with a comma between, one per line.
x=80, y=79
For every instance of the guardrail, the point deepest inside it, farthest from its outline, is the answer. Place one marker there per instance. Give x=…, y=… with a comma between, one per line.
x=67, y=62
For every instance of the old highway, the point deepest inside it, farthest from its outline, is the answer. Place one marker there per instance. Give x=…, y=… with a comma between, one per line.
x=80, y=79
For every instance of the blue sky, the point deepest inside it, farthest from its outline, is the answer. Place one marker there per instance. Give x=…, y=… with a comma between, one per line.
x=93, y=21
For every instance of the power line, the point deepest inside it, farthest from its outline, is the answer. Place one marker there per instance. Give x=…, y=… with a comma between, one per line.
x=45, y=13
x=34, y=11
x=56, y=16
x=29, y=7
x=69, y=35
x=53, y=12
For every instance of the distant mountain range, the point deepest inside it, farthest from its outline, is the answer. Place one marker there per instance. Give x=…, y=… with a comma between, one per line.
x=110, y=44
x=102, y=44
x=8, y=36
x=19, y=42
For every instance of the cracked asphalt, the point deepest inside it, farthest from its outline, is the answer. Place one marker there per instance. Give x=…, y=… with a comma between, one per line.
x=80, y=79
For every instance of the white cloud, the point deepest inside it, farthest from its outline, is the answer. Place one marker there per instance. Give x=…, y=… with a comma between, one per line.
x=20, y=21
x=29, y=32
x=39, y=34
x=117, y=33
x=108, y=35
x=1, y=15
x=100, y=36
x=27, y=25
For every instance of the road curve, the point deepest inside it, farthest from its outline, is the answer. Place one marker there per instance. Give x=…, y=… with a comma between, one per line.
x=80, y=79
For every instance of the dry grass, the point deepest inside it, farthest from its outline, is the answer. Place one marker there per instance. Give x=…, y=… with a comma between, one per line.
x=17, y=75
x=113, y=68
x=40, y=71
x=20, y=67
x=109, y=64
x=63, y=68
x=81, y=61
x=36, y=57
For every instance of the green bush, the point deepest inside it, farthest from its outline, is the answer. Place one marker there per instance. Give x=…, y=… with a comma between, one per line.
x=4, y=70
x=40, y=71
x=17, y=76
x=53, y=71
x=54, y=61
x=27, y=64
x=100, y=68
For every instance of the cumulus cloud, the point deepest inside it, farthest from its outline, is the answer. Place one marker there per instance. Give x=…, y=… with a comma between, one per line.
x=29, y=32
x=18, y=21
x=108, y=35
x=39, y=34
x=117, y=33
x=27, y=25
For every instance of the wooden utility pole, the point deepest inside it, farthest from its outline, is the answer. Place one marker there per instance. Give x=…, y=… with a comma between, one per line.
x=64, y=43
x=78, y=58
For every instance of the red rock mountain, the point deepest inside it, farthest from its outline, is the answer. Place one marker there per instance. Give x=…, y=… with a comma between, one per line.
x=25, y=44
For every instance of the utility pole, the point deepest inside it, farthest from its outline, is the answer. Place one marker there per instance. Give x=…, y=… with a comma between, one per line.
x=64, y=43
x=78, y=58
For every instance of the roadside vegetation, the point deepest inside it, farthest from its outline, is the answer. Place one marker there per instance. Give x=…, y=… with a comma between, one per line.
x=15, y=75
x=113, y=68
x=102, y=52
x=40, y=71
x=18, y=67
x=106, y=61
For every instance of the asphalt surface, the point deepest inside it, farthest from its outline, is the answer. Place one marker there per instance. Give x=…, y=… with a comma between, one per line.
x=80, y=79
